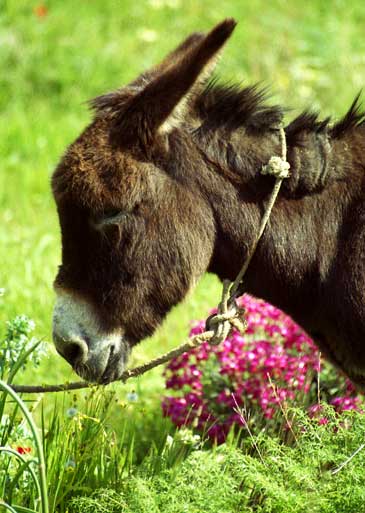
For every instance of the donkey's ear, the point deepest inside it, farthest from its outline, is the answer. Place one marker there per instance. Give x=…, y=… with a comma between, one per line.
x=169, y=60
x=114, y=103
x=161, y=101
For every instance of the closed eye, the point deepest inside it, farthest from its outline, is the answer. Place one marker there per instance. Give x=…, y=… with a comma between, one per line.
x=108, y=218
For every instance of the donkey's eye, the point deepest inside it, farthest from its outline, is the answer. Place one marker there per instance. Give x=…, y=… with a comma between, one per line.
x=108, y=218
x=110, y=214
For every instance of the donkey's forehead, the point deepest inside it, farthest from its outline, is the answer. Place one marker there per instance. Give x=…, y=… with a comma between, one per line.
x=93, y=173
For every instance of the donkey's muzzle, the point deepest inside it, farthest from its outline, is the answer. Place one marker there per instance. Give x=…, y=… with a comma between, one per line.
x=103, y=364
x=96, y=355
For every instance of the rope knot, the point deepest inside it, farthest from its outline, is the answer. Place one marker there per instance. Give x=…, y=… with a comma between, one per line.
x=277, y=166
x=222, y=322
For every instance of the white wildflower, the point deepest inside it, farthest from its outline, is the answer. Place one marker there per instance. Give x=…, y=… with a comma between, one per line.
x=70, y=465
x=169, y=441
x=71, y=412
x=187, y=437
x=132, y=397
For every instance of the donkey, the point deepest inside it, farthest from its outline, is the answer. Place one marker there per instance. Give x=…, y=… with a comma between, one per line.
x=165, y=184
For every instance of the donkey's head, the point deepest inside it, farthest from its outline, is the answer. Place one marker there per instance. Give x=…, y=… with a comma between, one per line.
x=136, y=231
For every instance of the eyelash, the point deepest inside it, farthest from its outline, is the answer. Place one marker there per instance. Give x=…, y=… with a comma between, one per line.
x=109, y=219
x=112, y=217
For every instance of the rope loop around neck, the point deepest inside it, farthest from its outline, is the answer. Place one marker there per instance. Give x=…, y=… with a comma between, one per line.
x=280, y=170
x=229, y=313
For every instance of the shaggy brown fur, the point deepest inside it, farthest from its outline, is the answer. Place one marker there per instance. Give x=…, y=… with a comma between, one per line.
x=165, y=184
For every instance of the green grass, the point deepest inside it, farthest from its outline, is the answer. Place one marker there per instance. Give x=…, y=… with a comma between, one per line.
x=285, y=479
x=315, y=467
x=311, y=52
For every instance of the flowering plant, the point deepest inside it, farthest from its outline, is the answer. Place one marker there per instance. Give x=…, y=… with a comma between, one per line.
x=273, y=364
x=21, y=451
x=17, y=343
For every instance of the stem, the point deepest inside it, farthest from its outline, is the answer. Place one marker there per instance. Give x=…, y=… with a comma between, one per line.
x=22, y=509
x=8, y=450
x=38, y=444
x=22, y=359
x=7, y=506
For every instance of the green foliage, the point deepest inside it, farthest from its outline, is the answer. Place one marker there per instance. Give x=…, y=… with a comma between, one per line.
x=83, y=452
x=299, y=464
x=18, y=348
x=22, y=469
x=29, y=471
x=288, y=479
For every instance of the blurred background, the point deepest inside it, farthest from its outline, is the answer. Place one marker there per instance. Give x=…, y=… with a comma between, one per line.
x=57, y=54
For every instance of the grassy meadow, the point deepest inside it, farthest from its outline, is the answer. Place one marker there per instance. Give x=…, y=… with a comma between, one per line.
x=57, y=54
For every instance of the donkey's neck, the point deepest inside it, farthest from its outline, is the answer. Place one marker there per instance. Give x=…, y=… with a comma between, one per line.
x=293, y=258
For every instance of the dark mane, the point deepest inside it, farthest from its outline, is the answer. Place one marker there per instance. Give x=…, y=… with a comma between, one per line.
x=309, y=121
x=354, y=117
x=231, y=106
x=306, y=121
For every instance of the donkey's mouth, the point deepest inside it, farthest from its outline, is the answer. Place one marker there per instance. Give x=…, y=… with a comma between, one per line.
x=116, y=365
x=104, y=368
x=97, y=361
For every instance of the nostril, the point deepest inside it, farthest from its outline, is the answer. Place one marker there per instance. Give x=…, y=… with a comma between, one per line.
x=74, y=352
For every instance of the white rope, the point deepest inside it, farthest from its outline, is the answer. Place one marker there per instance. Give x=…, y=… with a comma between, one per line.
x=279, y=167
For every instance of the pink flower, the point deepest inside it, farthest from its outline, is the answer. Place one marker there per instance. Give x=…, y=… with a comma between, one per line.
x=210, y=382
